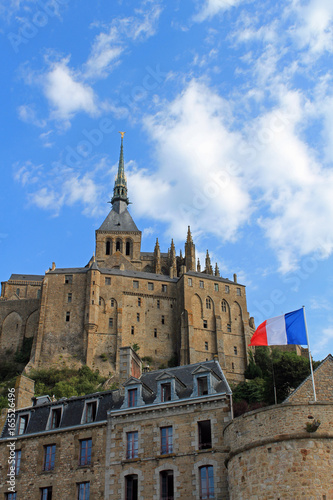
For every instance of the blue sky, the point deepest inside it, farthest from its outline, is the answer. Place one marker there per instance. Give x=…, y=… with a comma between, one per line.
x=228, y=111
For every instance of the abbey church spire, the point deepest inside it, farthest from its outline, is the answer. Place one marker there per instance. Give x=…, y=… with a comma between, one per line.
x=120, y=185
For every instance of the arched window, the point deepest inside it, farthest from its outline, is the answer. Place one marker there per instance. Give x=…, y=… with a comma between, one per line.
x=224, y=306
x=118, y=246
x=206, y=482
x=208, y=303
x=128, y=248
x=108, y=248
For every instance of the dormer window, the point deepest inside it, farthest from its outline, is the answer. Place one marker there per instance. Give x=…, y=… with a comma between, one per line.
x=202, y=386
x=134, y=393
x=132, y=397
x=89, y=412
x=204, y=381
x=55, y=418
x=22, y=424
x=166, y=392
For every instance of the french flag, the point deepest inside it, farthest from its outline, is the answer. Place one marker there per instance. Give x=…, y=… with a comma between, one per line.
x=282, y=330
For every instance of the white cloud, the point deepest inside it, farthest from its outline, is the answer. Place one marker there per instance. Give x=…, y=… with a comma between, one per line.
x=27, y=114
x=196, y=183
x=67, y=93
x=213, y=7
x=314, y=26
x=111, y=43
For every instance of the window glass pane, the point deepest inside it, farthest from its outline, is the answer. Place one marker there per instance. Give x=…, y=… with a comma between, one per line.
x=206, y=482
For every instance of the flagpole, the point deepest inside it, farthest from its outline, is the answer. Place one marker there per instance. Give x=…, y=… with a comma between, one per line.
x=311, y=367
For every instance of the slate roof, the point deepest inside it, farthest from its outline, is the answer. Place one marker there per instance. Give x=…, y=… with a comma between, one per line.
x=119, y=219
x=112, y=400
x=26, y=277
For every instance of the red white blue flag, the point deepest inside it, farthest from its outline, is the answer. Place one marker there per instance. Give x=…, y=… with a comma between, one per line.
x=282, y=330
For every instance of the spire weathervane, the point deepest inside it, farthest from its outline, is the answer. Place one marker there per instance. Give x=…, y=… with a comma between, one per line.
x=122, y=134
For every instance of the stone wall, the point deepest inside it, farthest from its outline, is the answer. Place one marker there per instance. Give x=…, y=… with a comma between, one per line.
x=66, y=473
x=272, y=456
x=18, y=320
x=186, y=457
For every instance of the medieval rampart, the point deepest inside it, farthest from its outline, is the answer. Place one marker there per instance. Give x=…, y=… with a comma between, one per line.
x=273, y=456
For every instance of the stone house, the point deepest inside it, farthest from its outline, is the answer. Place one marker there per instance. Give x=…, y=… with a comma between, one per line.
x=158, y=437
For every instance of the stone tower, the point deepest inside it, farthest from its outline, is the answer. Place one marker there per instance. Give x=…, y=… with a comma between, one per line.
x=118, y=240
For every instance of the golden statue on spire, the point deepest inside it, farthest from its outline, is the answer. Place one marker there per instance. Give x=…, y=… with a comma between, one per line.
x=122, y=134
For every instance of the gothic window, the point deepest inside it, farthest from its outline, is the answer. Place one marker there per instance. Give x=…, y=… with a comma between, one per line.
x=128, y=248
x=208, y=303
x=118, y=246
x=18, y=292
x=108, y=248
x=224, y=306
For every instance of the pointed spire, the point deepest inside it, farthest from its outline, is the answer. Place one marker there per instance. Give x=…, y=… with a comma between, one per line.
x=189, y=252
x=217, y=271
x=189, y=236
x=157, y=258
x=208, y=265
x=199, y=266
x=173, y=262
x=120, y=185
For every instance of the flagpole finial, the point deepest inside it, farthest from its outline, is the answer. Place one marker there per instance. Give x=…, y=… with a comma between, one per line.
x=122, y=134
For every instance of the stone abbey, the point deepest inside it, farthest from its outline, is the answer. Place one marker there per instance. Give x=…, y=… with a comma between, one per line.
x=165, y=304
